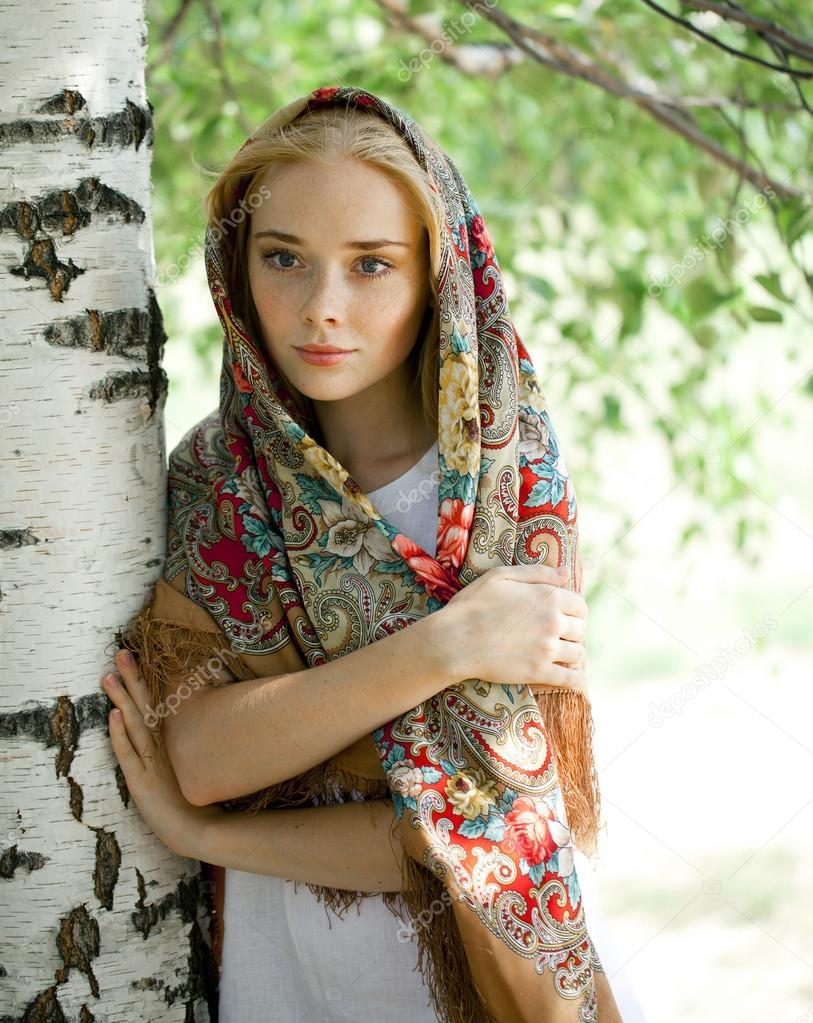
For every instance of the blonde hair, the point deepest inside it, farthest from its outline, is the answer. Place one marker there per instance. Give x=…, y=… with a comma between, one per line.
x=327, y=135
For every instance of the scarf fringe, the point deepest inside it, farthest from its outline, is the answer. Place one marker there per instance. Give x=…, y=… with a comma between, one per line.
x=442, y=960
x=569, y=724
x=170, y=654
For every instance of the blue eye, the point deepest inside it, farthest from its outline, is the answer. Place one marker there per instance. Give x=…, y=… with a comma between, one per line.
x=277, y=252
x=367, y=275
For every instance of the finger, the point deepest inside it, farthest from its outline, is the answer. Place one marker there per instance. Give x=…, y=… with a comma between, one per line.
x=127, y=757
x=536, y=573
x=573, y=629
x=561, y=677
x=134, y=724
x=573, y=603
x=137, y=688
x=569, y=652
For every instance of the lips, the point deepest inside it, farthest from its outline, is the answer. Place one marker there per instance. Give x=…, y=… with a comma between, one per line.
x=324, y=356
x=327, y=349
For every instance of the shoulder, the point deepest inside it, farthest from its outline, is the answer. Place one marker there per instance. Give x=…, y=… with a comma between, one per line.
x=200, y=452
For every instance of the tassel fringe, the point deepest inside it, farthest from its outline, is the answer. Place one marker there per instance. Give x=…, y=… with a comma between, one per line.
x=442, y=960
x=569, y=724
x=170, y=654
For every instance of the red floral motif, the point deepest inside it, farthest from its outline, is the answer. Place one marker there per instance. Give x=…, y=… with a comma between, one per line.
x=429, y=572
x=239, y=378
x=528, y=831
x=480, y=235
x=326, y=92
x=456, y=519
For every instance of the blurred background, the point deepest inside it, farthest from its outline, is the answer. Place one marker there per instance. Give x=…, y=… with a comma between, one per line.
x=644, y=174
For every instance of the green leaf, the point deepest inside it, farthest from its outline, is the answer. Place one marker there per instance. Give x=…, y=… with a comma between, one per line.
x=795, y=216
x=703, y=298
x=706, y=336
x=764, y=314
x=770, y=282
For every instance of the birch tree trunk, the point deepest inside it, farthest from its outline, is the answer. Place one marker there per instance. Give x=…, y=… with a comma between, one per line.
x=100, y=920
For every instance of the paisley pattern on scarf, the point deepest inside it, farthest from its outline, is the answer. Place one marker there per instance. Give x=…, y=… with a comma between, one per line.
x=260, y=512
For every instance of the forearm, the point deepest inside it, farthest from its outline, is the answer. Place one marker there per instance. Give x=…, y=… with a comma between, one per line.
x=353, y=846
x=239, y=738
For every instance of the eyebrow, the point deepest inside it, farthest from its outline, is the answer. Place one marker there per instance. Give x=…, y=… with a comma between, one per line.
x=376, y=243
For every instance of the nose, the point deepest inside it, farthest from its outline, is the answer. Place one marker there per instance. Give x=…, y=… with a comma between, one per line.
x=323, y=298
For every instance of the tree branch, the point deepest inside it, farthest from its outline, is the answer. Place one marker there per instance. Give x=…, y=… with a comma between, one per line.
x=220, y=60
x=488, y=60
x=568, y=61
x=790, y=42
x=169, y=33
x=785, y=69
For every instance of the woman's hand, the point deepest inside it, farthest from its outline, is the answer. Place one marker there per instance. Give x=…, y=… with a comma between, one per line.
x=518, y=624
x=150, y=777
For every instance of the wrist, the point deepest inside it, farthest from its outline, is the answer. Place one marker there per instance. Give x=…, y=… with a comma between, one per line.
x=199, y=837
x=440, y=647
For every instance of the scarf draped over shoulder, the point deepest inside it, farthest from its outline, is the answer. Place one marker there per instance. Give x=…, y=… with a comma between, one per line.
x=492, y=785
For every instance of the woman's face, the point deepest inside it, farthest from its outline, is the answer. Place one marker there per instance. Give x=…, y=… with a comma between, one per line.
x=336, y=258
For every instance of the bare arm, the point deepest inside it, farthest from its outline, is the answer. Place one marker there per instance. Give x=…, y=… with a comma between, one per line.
x=238, y=738
x=353, y=846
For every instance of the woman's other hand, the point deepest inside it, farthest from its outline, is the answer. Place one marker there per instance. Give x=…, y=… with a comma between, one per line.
x=150, y=776
x=518, y=625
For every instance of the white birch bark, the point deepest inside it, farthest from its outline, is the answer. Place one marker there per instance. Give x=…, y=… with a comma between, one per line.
x=100, y=920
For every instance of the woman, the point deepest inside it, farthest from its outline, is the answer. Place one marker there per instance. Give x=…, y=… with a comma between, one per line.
x=332, y=531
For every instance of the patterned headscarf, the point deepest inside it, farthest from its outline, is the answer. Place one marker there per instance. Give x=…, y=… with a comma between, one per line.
x=490, y=795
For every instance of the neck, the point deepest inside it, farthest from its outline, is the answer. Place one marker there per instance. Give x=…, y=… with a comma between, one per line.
x=377, y=430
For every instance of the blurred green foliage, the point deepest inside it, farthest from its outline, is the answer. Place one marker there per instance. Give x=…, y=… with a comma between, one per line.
x=602, y=218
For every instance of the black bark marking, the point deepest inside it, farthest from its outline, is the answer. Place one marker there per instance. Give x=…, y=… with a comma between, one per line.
x=133, y=383
x=108, y=863
x=42, y=261
x=66, y=102
x=61, y=726
x=17, y=538
x=129, y=332
x=65, y=730
x=44, y=1008
x=122, y=332
x=129, y=126
x=155, y=351
x=78, y=944
x=121, y=785
x=64, y=212
x=87, y=712
x=77, y=799
x=152, y=382
x=85, y=1015
x=202, y=978
x=12, y=858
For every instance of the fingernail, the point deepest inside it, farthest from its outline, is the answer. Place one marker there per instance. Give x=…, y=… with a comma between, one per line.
x=126, y=657
x=111, y=680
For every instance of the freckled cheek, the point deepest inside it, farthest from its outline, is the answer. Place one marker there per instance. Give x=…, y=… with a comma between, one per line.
x=386, y=308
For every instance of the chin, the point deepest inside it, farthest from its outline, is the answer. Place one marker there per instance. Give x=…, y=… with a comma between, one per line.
x=326, y=389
